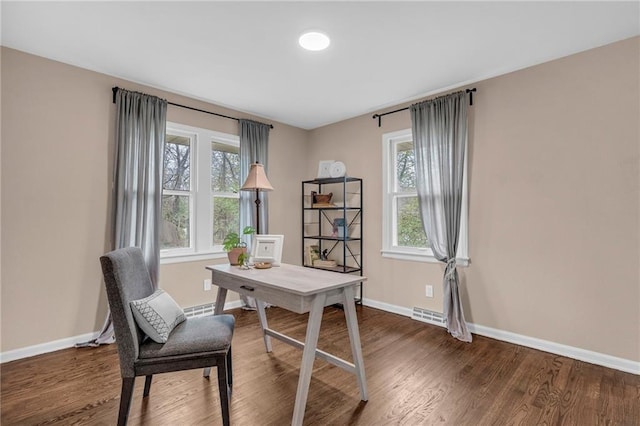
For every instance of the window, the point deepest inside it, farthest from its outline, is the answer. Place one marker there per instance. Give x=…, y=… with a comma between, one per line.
x=403, y=235
x=200, y=200
x=225, y=184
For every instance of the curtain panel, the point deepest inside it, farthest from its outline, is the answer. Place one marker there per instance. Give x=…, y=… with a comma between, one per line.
x=254, y=146
x=440, y=137
x=141, y=122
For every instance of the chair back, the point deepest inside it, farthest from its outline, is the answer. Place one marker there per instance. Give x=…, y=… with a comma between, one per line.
x=126, y=278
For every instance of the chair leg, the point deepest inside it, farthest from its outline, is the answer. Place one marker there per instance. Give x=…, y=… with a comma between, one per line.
x=229, y=369
x=223, y=388
x=147, y=385
x=125, y=400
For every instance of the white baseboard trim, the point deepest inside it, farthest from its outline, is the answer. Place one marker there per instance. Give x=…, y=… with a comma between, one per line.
x=68, y=342
x=387, y=307
x=591, y=357
x=47, y=347
x=585, y=355
x=233, y=305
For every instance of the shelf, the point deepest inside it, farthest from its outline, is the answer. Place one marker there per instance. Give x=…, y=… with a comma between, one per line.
x=329, y=238
x=338, y=268
x=333, y=208
x=323, y=181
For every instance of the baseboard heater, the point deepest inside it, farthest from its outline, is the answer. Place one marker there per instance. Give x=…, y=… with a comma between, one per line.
x=431, y=317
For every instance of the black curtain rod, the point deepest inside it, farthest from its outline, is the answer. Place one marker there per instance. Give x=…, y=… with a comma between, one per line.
x=115, y=90
x=379, y=116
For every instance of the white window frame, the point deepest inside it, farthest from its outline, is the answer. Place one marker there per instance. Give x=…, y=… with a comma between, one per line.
x=389, y=196
x=201, y=201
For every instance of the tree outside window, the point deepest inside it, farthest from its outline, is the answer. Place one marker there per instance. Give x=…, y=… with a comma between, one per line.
x=176, y=195
x=409, y=231
x=225, y=184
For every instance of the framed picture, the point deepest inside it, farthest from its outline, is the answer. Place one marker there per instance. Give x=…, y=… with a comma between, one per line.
x=267, y=248
x=324, y=168
x=337, y=169
x=312, y=253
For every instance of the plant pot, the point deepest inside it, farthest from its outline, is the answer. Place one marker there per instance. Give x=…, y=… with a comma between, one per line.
x=234, y=253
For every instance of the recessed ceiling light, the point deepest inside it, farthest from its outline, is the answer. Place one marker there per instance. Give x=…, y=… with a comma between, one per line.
x=314, y=40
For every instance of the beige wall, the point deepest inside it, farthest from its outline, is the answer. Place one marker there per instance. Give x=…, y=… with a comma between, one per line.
x=0, y=198
x=57, y=133
x=554, y=203
x=554, y=200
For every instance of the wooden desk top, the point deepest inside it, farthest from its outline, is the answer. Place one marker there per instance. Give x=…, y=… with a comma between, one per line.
x=291, y=278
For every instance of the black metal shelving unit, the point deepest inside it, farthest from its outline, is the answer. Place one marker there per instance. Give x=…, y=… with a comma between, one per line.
x=318, y=224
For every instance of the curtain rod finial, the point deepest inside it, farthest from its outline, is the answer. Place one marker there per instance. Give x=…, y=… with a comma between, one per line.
x=470, y=92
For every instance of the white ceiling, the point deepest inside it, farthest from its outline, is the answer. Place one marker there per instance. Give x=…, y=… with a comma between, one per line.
x=245, y=55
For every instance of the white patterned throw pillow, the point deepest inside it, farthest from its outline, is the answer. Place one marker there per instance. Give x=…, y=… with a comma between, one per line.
x=157, y=315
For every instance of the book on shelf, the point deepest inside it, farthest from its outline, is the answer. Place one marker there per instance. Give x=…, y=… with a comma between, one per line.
x=340, y=227
x=324, y=263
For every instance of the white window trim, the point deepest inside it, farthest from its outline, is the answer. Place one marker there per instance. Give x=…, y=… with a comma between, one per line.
x=166, y=259
x=202, y=207
x=389, y=250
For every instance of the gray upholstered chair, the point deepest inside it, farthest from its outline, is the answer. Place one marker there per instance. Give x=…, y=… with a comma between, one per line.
x=200, y=342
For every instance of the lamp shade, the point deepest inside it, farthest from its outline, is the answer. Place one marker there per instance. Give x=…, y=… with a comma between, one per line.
x=257, y=179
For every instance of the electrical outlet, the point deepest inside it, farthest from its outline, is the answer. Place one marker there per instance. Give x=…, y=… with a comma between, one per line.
x=207, y=284
x=429, y=290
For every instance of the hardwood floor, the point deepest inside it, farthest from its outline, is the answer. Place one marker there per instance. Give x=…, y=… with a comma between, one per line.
x=416, y=374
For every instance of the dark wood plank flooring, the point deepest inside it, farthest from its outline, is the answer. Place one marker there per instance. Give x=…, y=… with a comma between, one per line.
x=416, y=374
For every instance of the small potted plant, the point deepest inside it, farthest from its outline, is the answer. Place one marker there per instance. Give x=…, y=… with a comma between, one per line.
x=234, y=246
x=243, y=260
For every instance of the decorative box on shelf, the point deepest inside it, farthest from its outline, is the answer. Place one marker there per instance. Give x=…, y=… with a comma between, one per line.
x=325, y=263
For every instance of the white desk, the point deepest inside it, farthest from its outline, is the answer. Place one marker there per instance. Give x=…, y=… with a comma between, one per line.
x=300, y=290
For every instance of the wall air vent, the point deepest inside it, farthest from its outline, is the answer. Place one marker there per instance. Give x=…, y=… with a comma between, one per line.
x=199, y=311
x=431, y=317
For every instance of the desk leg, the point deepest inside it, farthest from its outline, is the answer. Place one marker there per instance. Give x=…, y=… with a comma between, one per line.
x=220, y=299
x=218, y=310
x=354, y=337
x=262, y=317
x=308, y=355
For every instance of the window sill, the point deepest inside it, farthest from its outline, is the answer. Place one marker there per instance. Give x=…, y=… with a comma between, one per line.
x=191, y=257
x=419, y=257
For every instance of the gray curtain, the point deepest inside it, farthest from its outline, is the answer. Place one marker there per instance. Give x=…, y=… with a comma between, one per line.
x=137, y=182
x=254, y=146
x=440, y=138
x=141, y=124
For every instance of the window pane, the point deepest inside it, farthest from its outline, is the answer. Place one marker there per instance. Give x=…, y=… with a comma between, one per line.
x=225, y=168
x=409, y=232
x=405, y=167
x=177, y=163
x=174, y=232
x=226, y=217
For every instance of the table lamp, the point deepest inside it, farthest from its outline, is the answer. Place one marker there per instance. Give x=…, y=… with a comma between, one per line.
x=257, y=181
